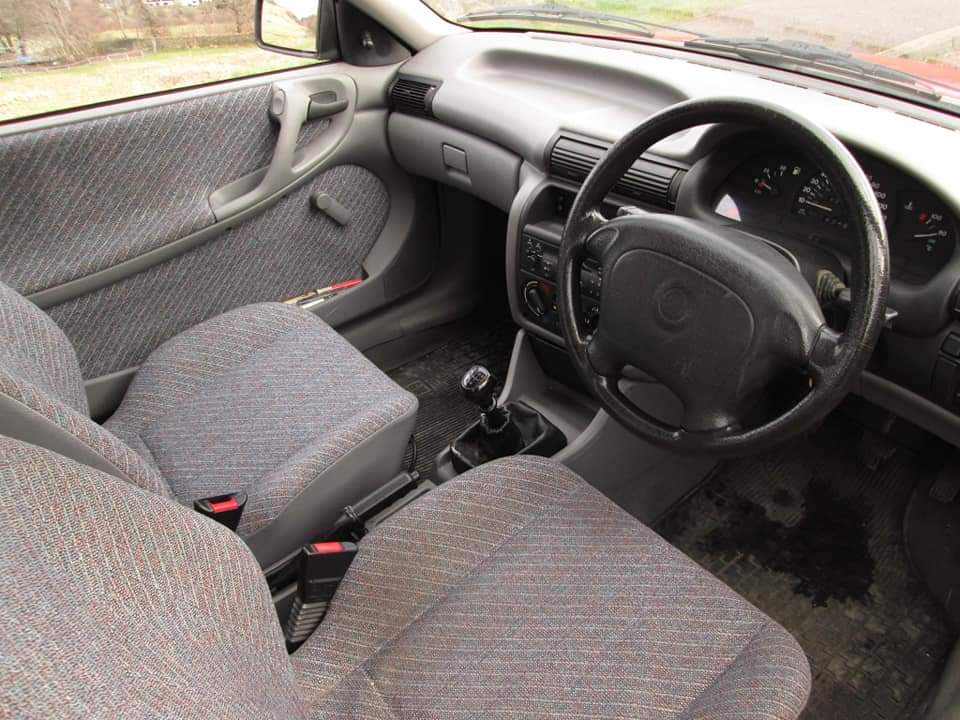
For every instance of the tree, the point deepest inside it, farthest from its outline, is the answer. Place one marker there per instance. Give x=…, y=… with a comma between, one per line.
x=239, y=10
x=147, y=19
x=62, y=28
x=12, y=26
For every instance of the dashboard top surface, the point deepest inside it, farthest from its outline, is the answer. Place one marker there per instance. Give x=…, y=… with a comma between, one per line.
x=520, y=89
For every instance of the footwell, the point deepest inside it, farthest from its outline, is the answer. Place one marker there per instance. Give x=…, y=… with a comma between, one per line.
x=435, y=379
x=815, y=539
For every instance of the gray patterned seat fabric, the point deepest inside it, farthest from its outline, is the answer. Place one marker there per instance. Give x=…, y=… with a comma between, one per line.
x=514, y=591
x=265, y=399
x=518, y=590
x=127, y=605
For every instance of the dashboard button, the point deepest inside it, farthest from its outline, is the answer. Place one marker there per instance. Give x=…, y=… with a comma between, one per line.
x=590, y=283
x=944, y=385
x=534, y=299
x=548, y=265
x=951, y=346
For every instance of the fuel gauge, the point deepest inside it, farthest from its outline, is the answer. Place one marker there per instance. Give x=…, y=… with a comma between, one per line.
x=769, y=178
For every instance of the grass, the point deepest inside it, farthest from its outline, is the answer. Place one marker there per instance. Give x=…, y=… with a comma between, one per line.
x=40, y=91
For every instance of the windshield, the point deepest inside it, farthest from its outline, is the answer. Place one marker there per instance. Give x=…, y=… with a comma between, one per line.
x=909, y=49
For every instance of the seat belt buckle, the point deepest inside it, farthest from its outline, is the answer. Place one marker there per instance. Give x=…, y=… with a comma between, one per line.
x=225, y=509
x=322, y=567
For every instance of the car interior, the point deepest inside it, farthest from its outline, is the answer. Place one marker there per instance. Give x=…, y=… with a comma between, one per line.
x=473, y=371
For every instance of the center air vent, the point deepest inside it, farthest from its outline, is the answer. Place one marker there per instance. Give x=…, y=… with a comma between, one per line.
x=647, y=181
x=413, y=96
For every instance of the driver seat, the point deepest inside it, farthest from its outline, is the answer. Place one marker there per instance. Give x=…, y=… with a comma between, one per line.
x=516, y=590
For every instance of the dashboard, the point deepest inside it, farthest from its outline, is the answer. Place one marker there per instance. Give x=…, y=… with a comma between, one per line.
x=778, y=188
x=519, y=119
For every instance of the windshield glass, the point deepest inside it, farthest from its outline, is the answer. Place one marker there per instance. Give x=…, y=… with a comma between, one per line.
x=909, y=49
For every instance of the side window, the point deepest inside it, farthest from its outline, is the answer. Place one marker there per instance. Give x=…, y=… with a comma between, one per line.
x=61, y=54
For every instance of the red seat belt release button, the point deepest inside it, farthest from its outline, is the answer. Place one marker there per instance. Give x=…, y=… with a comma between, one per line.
x=322, y=567
x=225, y=509
x=221, y=506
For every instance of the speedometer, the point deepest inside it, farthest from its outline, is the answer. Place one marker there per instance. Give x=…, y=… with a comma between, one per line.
x=819, y=200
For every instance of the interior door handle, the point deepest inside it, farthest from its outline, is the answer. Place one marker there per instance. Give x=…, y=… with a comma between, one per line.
x=325, y=104
x=292, y=103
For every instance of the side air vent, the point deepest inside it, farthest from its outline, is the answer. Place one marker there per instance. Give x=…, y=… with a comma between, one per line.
x=413, y=96
x=646, y=180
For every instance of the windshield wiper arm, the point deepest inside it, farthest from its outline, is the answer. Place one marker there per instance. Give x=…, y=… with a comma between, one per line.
x=567, y=15
x=798, y=55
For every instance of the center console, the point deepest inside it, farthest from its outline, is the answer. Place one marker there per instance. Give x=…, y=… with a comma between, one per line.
x=537, y=261
x=536, y=252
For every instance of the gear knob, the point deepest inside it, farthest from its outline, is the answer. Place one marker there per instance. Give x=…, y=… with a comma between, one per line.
x=478, y=385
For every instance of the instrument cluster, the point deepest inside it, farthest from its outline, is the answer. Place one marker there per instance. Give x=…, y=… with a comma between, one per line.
x=781, y=189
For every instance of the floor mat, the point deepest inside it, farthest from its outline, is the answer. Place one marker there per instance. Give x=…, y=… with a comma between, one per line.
x=812, y=537
x=435, y=379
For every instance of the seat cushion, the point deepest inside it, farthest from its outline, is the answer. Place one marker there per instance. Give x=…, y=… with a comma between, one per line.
x=263, y=399
x=520, y=591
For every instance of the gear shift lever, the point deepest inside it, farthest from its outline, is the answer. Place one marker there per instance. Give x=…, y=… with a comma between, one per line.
x=478, y=385
x=513, y=429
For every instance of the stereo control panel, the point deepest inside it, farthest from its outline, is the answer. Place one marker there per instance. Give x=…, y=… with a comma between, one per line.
x=538, y=254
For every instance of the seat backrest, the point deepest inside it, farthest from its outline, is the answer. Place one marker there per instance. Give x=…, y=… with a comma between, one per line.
x=42, y=399
x=34, y=350
x=118, y=603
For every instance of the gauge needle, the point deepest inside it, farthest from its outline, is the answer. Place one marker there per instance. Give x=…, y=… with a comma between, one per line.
x=817, y=205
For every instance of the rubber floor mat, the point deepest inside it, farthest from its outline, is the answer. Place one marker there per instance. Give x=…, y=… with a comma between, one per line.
x=815, y=539
x=435, y=379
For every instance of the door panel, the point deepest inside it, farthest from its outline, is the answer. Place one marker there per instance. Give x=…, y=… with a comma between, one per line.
x=277, y=254
x=82, y=197
x=113, y=220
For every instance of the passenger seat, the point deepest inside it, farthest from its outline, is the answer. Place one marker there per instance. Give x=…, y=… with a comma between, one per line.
x=265, y=399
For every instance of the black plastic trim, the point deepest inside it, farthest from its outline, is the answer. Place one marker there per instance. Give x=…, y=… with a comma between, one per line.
x=651, y=179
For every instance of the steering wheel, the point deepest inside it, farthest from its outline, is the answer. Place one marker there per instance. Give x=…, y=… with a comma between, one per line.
x=714, y=313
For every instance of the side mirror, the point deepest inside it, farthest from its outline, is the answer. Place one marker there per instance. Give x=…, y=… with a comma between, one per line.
x=306, y=28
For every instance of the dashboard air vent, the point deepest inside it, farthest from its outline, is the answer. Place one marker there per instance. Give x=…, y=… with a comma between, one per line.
x=646, y=180
x=413, y=96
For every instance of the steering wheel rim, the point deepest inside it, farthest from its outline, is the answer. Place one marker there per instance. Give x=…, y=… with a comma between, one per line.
x=834, y=360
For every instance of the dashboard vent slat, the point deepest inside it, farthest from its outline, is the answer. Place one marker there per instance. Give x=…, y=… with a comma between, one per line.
x=646, y=181
x=413, y=96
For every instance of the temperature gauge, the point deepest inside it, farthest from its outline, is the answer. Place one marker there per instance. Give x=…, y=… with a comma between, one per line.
x=924, y=237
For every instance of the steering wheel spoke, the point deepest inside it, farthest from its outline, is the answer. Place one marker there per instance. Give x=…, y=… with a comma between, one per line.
x=604, y=359
x=825, y=354
x=701, y=418
x=592, y=221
